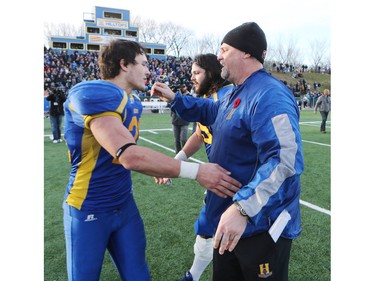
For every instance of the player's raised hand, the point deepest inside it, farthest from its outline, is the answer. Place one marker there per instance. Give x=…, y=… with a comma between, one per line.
x=218, y=180
x=163, y=91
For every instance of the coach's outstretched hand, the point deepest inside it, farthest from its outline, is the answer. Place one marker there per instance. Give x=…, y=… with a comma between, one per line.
x=214, y=178
x=163, y=91
x=218, y=180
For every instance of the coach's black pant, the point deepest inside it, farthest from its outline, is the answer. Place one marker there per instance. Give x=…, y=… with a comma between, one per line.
x=254, y=258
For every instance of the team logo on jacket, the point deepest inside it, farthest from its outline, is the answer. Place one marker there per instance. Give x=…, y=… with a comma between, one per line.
x=264, y=270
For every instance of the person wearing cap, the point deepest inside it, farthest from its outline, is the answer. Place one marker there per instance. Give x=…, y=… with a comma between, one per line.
x=257, y=138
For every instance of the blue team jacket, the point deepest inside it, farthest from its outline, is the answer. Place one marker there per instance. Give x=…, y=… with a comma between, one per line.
x=257, y=138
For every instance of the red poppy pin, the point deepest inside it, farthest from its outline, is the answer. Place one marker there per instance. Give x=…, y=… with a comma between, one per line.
x=237, y=102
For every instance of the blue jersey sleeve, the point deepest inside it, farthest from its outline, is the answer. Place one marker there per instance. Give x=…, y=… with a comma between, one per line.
x=96, y=97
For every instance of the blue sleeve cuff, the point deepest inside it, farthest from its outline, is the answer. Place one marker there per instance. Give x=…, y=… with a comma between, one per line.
x=178, y=96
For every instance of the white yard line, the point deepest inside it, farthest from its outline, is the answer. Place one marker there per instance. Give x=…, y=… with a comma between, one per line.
x=315, y=123
x=317, y=143
x=314, y=207
x=154, y=131
x=307, y=204
x=167, y=148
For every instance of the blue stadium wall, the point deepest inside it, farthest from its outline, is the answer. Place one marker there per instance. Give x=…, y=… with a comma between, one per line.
x=101, y=27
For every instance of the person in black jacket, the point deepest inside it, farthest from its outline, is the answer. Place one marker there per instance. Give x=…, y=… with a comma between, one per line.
x=56, y=98
x=180, y=126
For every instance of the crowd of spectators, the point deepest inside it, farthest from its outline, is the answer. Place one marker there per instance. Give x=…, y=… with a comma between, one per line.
x=297, y=72
x=63, y=70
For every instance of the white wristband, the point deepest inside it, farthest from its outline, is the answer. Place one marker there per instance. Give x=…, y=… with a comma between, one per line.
x=181, y=155
x=188, y=170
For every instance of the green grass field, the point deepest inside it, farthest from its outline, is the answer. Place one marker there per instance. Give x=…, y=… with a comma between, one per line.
x=169, y=211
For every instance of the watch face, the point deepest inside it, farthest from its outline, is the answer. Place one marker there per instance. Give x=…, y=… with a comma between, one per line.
x=240, y=209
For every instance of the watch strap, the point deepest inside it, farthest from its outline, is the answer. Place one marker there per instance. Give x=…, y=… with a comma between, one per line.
x=240, y=209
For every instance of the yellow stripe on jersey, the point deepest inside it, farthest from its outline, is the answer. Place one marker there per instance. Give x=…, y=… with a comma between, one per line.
x=71, y=107
x=122, y=105
x=90, y=151
x=117, y=112
x=88, y=118
x=214, y=96
x=205, y=132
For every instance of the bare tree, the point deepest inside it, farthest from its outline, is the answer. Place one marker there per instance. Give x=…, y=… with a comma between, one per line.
x=287, y=52
x=163, y=34
x=271, y=55
x=148, y=30
x=192, y=48
x=61, y=29
x=209, y=43
x=151, y=31
x=176, y=37
x=293, y=52
x=318, y=50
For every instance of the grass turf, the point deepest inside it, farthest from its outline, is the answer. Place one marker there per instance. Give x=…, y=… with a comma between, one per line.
x=169, y=211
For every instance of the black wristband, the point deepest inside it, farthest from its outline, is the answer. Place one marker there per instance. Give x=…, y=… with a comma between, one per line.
x=123, y=148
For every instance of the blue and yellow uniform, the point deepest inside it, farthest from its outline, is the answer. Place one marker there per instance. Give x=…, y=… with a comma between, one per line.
x=99, y=207
x=202, y=226
x=206, y=131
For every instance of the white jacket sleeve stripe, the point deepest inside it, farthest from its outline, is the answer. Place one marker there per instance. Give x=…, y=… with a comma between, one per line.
x=269, y=186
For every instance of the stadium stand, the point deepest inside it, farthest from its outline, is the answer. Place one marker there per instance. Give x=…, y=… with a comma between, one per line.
x=63, y=70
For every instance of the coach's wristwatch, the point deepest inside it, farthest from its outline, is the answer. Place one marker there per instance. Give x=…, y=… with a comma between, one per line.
x=241, y=209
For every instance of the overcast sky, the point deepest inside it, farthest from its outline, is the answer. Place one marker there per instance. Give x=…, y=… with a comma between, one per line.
x=275, y=17
x=302, y=21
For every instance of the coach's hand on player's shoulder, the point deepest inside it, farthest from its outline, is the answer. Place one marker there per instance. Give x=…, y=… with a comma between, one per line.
x=163, y=91
x=218, y=180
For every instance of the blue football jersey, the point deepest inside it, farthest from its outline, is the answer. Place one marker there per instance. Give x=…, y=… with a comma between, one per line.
x=206, y=131
x=97, y=181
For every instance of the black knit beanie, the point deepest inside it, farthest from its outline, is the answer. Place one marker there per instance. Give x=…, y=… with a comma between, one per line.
x=249, y=38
